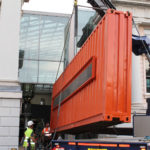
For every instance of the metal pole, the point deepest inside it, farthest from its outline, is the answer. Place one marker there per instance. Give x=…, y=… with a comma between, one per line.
x=26, y=116
x=76, y=25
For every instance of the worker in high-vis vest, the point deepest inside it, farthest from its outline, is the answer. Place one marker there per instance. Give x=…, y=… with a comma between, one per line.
x=29, y=140
x=46, y=134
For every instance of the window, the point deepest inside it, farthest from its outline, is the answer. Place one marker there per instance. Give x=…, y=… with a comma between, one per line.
x=147, y=32
x=147, y=77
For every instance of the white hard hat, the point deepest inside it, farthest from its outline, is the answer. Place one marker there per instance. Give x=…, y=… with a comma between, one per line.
x=30, y=123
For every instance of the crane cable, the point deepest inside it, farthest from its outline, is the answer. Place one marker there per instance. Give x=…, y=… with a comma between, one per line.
x=59, y=103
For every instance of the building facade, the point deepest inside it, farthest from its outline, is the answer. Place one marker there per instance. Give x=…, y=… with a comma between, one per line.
x=10, y=91
x=35, y=40
x=140, y=66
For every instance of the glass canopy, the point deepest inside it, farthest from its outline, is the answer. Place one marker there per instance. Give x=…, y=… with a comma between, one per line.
x=41, y=45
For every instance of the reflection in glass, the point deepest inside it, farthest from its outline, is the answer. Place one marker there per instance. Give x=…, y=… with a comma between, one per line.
x=29, y=72
x=41, y=45
x=86, y=25
x=48, y=71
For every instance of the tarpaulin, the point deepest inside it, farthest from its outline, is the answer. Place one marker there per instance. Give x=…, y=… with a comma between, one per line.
x=140, y=45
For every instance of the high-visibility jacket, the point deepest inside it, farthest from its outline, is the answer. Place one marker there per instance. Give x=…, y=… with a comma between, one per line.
x=46, y=132
x=28, y=133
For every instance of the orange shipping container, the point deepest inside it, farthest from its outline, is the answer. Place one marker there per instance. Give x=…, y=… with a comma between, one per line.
x=95, y=88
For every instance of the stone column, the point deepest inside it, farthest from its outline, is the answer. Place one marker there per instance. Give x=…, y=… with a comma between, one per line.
x=137, y=87
x=10, y=91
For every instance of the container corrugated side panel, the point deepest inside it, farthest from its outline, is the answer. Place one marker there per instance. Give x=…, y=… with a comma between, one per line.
x=118, y=90
x=107, y=94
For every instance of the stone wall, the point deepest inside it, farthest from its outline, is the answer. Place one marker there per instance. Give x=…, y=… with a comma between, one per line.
x=10, y=96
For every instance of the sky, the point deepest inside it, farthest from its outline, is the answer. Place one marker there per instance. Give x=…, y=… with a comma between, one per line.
x=57, y=6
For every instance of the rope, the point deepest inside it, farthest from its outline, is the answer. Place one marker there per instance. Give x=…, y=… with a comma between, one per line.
x=59, y=105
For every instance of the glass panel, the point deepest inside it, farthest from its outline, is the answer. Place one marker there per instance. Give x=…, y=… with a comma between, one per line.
x=83, y=18
x=29, y=36
x=86, y=25
x=41, y=40
x=148, y=84
x=28, y=72
x=48, y=71
x=52, y=37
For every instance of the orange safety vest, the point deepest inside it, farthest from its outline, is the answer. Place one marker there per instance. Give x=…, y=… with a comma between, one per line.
x=46, y=132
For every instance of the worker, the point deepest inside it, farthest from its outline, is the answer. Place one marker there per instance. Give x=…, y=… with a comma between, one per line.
x=46, y=134
x=29, y=140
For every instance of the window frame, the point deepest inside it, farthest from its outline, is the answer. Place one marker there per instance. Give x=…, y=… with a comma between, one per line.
x=142, y=32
